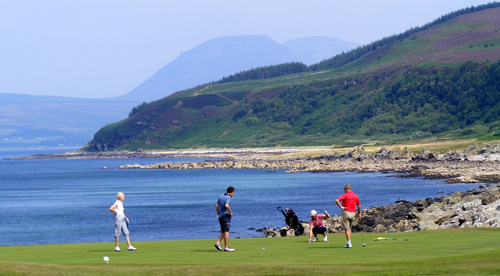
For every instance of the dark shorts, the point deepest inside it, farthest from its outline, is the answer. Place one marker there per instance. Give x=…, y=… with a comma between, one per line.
x=319, y=230
x=225, y=223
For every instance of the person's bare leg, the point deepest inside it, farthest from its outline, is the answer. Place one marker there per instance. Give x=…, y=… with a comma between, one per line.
x=348, y=234
x=226, y=239
x=116, y=242
x=128, y=241
x=221, y=236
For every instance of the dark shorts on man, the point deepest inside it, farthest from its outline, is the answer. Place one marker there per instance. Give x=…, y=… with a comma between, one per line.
x=319, y=230
x=225, y=223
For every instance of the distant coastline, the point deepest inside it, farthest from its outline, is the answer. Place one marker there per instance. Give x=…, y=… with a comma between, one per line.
x=218, y=153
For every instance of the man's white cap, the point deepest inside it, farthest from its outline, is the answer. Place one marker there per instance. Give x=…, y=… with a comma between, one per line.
x=313, y=213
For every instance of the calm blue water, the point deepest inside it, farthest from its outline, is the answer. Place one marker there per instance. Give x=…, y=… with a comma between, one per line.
x=67, y=201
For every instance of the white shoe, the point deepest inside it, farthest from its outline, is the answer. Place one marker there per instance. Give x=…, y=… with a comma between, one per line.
x=314, y=239
x=117, y=249
x=131, y=248
x=348, y=245
x=229, y=249
x=325, y=239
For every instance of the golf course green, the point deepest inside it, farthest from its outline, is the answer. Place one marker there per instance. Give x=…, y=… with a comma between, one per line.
x=474, y=251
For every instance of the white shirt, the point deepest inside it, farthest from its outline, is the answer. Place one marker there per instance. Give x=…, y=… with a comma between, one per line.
x=119, y=207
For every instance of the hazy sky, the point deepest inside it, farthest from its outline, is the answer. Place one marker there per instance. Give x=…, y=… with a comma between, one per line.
x=105, y=48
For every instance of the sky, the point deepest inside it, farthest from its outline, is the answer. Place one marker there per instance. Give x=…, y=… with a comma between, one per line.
x=106, y=48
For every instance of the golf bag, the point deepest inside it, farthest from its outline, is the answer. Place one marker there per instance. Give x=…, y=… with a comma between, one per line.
x=292, y=221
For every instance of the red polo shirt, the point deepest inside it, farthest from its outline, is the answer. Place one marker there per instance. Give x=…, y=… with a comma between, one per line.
x=349, y=201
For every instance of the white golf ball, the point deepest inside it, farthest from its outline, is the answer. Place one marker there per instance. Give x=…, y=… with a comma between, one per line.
x=263, y=248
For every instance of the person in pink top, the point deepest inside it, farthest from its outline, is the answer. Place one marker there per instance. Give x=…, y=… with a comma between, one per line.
x=349, y=202
x=317, y=226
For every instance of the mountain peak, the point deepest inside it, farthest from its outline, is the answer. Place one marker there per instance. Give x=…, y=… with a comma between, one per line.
x=223, y=56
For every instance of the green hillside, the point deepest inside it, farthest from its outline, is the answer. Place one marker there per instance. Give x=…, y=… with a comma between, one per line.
x=438, y=81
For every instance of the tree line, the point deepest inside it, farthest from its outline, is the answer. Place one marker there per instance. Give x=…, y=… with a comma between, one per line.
x=344, y=58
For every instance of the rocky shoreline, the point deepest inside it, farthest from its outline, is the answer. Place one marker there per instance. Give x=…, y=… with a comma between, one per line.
x=470, y=166
x=475, y=208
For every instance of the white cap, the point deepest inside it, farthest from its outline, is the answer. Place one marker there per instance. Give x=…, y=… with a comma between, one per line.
x=313, y=213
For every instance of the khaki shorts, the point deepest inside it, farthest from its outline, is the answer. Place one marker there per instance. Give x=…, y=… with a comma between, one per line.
x=347, y=218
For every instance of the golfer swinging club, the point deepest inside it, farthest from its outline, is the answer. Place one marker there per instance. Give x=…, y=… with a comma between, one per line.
x=349, y=202
x=120, y=224
x=224, y=215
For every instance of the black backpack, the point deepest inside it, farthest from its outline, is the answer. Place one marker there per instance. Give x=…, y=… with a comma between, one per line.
x=292, y=221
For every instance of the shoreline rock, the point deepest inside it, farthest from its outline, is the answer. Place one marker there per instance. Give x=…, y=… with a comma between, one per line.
x=467, y=167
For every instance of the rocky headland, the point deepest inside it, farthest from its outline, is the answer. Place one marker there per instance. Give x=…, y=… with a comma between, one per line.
x=475, y=165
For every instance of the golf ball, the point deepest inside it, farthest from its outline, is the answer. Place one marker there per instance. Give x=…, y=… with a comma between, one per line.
x=263, y=248
x=364, y=244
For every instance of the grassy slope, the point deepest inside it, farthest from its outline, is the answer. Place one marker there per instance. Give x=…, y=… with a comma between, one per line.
x=453, y=252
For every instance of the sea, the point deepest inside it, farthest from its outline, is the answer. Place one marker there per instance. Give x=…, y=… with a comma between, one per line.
x=48, y=201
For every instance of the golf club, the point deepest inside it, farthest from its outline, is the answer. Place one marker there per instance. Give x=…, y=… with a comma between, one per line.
x=361, y=231
x=382, y=238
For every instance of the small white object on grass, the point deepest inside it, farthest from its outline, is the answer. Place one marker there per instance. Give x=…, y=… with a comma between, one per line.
x=263, y=248
x=106, y=259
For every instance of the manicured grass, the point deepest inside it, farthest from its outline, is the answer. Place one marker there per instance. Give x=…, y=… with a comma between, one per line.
x=450, y=252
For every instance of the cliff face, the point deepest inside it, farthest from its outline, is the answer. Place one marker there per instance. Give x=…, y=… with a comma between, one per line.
x=475, y=208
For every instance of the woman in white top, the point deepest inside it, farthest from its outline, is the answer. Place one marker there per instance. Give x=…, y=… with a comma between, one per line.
x=120, y=224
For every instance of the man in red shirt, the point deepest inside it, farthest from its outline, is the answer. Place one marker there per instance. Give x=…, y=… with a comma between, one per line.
x=349, y=202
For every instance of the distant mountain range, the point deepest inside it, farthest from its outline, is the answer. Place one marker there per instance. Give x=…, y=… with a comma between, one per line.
x=49, y=121
x=223, y=56
x=438, y=81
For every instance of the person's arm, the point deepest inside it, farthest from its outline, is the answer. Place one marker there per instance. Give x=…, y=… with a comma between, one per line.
x=112, y=209
x=228, y=209
x=326, y=215
x=340, y=205
x=359, y=210
x=217, y=208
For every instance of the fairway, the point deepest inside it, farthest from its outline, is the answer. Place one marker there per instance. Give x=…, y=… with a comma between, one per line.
x=450, y=252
